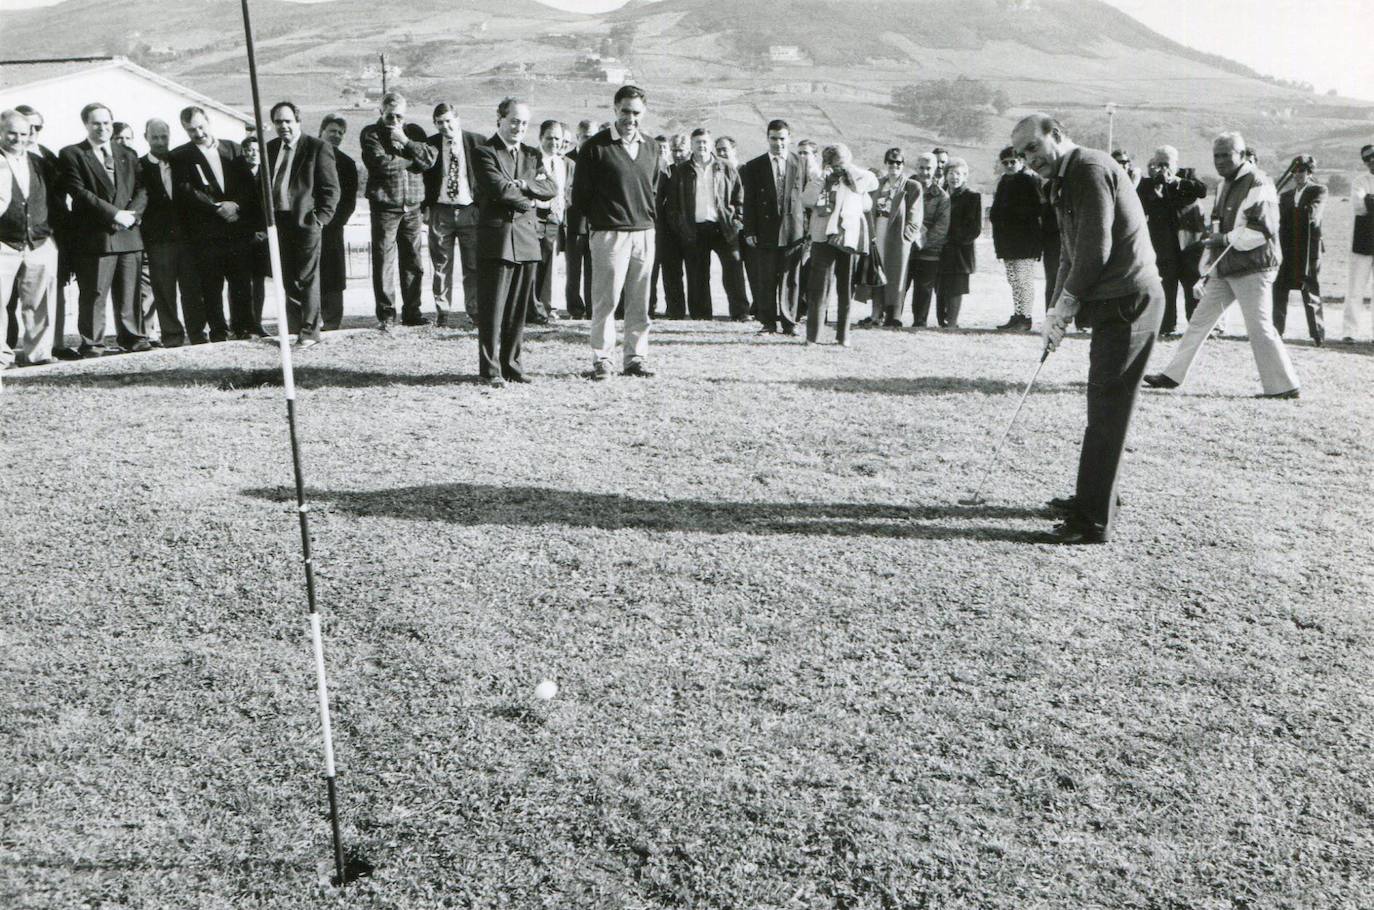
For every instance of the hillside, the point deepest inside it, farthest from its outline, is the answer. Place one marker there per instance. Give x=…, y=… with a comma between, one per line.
x=709, y=61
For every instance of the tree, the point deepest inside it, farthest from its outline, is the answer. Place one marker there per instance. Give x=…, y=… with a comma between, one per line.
x=960, y=108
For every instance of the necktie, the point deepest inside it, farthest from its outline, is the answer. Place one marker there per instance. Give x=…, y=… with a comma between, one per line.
x=279, y=197
x=455, y=174
x=108, y=160
x=777, y=178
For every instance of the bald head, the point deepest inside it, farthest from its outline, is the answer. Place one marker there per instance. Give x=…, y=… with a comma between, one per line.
x=158, y=135
x=1042, y=141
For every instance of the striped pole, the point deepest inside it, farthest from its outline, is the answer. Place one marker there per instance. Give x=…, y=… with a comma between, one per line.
x=302, y=509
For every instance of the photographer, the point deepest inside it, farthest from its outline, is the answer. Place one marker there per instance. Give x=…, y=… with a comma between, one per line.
x=1165, y=195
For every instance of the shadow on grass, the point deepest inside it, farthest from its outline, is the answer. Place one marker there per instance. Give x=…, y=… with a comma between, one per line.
x=230, y=379
x=928, y=385
x=523, y=506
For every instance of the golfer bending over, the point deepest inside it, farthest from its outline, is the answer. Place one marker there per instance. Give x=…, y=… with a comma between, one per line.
x=1106, y=270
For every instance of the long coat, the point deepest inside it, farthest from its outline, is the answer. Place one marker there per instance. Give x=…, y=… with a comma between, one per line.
x=898, y=213
x=1015, y=216
x=333, y=252
x=957, y=260
x=1300, y=237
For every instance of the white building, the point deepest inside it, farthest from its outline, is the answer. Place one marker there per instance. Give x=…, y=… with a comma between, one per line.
x=58, y=89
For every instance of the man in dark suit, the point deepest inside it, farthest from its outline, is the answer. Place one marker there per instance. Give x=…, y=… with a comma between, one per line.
x=1300, y=243
x=669, y=262
x=552, y=214
x=169, y=259
x=1164, y=196
x=1106, y=271
x=213, y=188
x=59, y=217
x=396, y=155
x=774, y=222
x=451, y=208
x=577, y=253
x=509, y=183
x=705, y=202
x=305, y=195
x=106, y=188
x=333, y=252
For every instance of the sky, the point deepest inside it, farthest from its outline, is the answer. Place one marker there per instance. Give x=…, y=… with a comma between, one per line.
x=1324, y=42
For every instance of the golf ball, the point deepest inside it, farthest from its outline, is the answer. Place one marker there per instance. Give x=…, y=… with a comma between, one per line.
x=546, y=690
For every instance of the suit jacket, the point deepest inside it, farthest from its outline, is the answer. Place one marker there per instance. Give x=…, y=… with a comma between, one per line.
x=434, y=174
x=313, y=183
x=507, y=225
x=162, y=217
x=395, y=173
x=965, y=224
x=95, y=201
x=1162, y=204
x=59, y=207
x=199, y=194
x=1300, y=235
x=776, y=222
x=347, y=170
x=727, y=191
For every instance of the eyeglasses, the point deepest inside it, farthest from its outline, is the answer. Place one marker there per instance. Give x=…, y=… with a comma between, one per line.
x=1010, y=160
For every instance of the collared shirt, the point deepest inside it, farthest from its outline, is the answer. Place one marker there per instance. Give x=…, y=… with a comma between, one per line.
x=212, y=159
x=631, y=145
x=281, y=177
x=557, y=169
x=452, y=152
x=705, y=204
x=1360, y=187
x=164, y=168
x=18, y=167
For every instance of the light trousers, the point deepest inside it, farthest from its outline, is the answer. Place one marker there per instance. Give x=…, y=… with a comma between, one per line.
x=28, y=281
x=622, y=262
x=1361, y=279
x=1253, y=293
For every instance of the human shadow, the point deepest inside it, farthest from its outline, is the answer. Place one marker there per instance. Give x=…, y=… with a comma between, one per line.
x=471, y=504
x=229, y=378
x=931, y=385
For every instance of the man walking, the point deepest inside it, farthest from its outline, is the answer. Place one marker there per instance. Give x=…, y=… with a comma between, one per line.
x=509, y=183
x=28, y=254
x=615, y=187
x=1244, y=244
x=774, y=226
x=1107, y=273
x=451, y=208
x=1361, y=284
x=396, y=155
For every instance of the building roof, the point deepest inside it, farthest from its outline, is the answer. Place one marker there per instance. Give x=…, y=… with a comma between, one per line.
x=15, y=73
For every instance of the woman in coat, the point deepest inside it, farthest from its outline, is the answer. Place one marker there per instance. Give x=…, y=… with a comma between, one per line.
x=957, y=260
x=839, y=204
x=1300, y=241
x=897, y=216
x=1016, y=234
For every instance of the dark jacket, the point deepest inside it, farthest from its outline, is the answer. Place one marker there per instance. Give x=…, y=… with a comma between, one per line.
x=727, y=190
x=395, y=174
x=333, y=253
x=1106, y=250
x=777, y=223
x=162, y=217
x=198, y=193
x=434, y=174
x=25, y=224
x=965, y=224
x=313, y=184
x=1300, y=236
x=507, y=226
x=1015, y=216
x=1163, y=202
x=95, y=201
x=347, y=170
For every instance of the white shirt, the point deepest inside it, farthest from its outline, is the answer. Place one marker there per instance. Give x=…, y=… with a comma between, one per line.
x=631, y=145
x=705, y=209
x=454, y=148
x=164, y=168
x=211, y=157
x=557, y=169
x=1361, y=187
x=12, y=168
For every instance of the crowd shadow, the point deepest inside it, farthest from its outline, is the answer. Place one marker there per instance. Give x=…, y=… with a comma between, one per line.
x=228, y=379
x=471, y=504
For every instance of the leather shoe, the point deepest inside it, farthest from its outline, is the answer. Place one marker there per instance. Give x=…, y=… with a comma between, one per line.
x=65, y=354
x=768, y=330
x=440, y=320
x=790, y=331
x=1280, y=396
x=1074, y=533
x=1160, y=381
x=138, y=347
x=640, y=369
x=92, y=353
x=1068, y=505
x=417, y=321
x=601, y=371
x=523, y=380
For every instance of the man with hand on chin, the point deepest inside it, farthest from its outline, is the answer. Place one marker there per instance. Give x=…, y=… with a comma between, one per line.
x=1106, y=270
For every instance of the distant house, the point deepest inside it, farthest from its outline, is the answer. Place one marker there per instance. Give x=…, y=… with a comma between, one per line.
x=785, y=53
x=602, y=68
x=59, y=88
x=614, y=73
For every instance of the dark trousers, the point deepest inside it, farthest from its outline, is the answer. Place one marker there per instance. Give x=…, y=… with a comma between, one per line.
x=778, y=271
x=1050, y=258
x=396, y=241
x=830, y=267
x=668, y=263
x=947, y=306
x=115, y=274
x=171, y=269
x=453, y=227
x=1123, y=334
x=541, y=301
x=577, y=289
x=504, y=290
x=1171, y=276
x=710, y=239
x=333, y=277
x=1311, y=308
x=220, y=262
x=66, y=271
x=300, y=265
x=924, y=276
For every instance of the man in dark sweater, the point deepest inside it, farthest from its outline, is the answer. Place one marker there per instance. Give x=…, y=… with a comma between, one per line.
x=1106, y=270
x=615, y=189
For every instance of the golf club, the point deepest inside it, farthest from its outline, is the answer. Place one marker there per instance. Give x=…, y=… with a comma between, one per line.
x=977, y=498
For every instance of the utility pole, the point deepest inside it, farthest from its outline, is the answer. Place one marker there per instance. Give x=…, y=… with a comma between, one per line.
x=382, y=57
x=1111, y=127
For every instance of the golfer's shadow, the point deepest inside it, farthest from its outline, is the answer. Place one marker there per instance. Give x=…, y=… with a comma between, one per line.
x=933, y=385
x=525, y=506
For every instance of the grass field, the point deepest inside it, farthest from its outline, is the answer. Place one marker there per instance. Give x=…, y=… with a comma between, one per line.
x=794, y=672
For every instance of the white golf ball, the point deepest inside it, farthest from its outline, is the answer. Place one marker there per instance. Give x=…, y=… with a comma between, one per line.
x=546, y=690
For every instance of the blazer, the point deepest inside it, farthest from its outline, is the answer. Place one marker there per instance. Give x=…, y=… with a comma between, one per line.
x=507, y=225
x=395, y=174
x=965, y=224
x=1015, y=216
x=313, y=183
x=198, y=193
x=1163, y=203
x=347, y=169
x=434, y=175
x=775, y=222
x=727, y=191
x=95, y=201
x=162, y=218
x=1300, y=236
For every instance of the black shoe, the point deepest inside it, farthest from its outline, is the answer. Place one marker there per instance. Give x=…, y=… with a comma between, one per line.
x=385, y=324
x=1016, y=324
x=91, y=353
x=892, y=324
x=1281, y=396
x=639, y=368
x=768, y=330
x=521, y=379
x=865, y=322
x=65, y=354
x=1159, y=381
x=601, y=371
x=1068, y=505
x=416, y=321
x=242, y=335
x=1074, y=533
x=138, y=347
x=217, y=337
x=441, y=320
x=790, y=331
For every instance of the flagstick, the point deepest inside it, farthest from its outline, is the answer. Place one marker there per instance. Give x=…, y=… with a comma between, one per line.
x=302, y=510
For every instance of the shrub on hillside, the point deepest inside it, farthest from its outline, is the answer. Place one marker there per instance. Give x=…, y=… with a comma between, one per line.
x=961, y=107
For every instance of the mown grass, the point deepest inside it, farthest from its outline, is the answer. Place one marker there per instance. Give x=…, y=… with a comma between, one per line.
x=794, y=671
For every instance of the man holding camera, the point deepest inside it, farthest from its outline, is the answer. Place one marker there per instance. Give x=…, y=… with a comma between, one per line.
x=1164, y=196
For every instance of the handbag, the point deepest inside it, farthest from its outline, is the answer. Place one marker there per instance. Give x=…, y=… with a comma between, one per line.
x=870, y=272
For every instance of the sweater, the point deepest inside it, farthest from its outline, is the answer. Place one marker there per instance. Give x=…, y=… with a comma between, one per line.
x=614, y=191
x=1105, y=249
